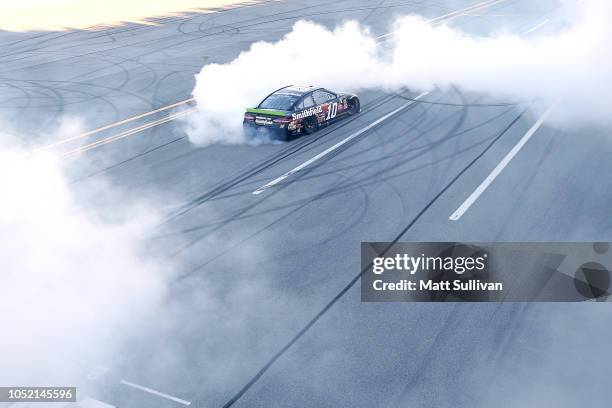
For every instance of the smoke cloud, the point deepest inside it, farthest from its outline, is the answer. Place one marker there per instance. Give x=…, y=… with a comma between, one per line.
x=76, y=279
x=573, y=64
x=89, y=286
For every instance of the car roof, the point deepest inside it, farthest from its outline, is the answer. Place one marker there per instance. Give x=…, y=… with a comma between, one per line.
x=295, y=90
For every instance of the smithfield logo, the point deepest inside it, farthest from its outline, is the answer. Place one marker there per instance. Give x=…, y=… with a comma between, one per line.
x=308, y=112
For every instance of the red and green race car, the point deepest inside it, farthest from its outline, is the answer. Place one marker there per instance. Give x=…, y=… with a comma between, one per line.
x=292, y=111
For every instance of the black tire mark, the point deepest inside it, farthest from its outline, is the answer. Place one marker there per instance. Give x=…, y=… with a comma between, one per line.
x=121, y=163
x=271, y=224
x=274, y=159
x=115, y=30
x=379, y=176
x=352, y=282
x=382, y=175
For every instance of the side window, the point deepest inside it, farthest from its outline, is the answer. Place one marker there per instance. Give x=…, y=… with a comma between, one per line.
x=323, y=96
x=307, y=102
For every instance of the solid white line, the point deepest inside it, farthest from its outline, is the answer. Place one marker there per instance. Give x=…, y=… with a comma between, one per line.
x=129, y=132
x=115, y=124
x=500, y=167
x=337, y=145
x=152, y=391
x=537, y=27
x=458, y=13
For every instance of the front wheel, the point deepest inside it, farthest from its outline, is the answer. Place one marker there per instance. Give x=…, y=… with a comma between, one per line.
x=354, y=106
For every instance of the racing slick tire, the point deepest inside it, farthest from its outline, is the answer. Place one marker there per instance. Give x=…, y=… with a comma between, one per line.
x=354, y=106
x=311, y=125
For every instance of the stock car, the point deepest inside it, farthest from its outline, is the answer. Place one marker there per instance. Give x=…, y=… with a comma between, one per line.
x=293, y=111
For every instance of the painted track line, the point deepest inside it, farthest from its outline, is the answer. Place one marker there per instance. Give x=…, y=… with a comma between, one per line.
x=337, y=145
x=152, y=391
x=501, y=166
x=457, y=13
x=129, y=132
x=536, y=27
x=114, y=124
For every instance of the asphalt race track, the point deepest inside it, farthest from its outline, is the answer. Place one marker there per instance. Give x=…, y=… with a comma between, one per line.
x=256, y=268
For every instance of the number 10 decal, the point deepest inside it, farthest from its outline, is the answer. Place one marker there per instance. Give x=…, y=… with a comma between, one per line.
x=332, y=111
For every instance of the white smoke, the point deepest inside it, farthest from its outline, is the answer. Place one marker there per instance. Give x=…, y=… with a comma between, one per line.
x=575, y=64
x=75, y=281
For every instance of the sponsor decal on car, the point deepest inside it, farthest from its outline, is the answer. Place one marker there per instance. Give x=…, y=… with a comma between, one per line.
x=308, y=112
x=263, y=121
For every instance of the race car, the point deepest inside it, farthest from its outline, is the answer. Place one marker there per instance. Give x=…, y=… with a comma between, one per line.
x=293, y=110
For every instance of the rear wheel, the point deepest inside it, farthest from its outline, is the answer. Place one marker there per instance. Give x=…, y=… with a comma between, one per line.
x=310, y=125
x=354, y=106
x=287, y=136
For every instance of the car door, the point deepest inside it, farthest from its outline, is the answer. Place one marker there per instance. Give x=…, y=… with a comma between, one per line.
x=329, y=105
x=307, y=102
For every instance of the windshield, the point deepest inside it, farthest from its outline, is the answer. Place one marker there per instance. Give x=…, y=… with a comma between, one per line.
x=280, y=101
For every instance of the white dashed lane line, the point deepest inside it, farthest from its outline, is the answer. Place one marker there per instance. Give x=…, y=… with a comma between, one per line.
x=154, y=392
x=535, y=28
x=336, y=146
x=501, y=166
